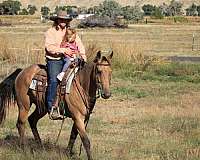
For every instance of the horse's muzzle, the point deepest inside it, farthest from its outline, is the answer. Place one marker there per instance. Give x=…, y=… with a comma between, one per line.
x=105, y=95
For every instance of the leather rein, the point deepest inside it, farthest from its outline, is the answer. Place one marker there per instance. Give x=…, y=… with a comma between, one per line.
x=84, y=95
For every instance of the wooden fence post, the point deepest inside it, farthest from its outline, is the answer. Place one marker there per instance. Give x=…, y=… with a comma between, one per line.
x=28, y=52
x=193, y=40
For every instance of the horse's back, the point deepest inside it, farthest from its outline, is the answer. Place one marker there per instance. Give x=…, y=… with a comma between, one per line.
x=26, y=75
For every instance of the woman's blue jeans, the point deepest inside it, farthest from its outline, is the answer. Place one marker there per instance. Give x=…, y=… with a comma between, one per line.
x=54, y=67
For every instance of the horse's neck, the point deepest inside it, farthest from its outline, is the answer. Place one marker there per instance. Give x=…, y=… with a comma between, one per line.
x=88, y=79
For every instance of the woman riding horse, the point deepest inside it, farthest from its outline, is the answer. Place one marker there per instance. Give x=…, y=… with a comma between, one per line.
x=54, y=56
x=79, y=102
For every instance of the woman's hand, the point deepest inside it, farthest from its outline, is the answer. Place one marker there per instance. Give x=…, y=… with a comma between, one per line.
x=68, y=52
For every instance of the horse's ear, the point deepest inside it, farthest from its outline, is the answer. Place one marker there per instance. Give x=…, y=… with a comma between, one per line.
x=110, y=56
x=98, y=57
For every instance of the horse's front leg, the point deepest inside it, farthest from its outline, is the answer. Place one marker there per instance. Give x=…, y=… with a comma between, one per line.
x=80, y=125
x=73, y=136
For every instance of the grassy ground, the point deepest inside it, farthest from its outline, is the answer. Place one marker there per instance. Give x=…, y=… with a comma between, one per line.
x=145, y=120
x=153, y=113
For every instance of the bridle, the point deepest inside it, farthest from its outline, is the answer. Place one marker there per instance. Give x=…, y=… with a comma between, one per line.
x=99, y=85
x=98, y=80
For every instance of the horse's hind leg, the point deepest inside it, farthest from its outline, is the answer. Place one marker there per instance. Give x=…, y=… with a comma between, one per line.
x=33, y=119
x=24, y=106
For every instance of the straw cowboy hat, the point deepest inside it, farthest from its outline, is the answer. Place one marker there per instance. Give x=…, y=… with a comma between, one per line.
x=61, y=15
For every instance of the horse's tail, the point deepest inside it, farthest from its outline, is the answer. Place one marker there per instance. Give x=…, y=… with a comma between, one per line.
x=7, y=93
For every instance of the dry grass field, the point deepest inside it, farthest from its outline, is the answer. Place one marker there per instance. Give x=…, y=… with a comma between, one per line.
x=154, y=111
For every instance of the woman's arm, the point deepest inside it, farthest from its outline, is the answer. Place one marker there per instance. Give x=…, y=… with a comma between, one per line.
x=52, y=46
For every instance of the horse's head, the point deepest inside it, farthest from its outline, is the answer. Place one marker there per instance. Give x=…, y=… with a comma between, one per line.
x=103, y=73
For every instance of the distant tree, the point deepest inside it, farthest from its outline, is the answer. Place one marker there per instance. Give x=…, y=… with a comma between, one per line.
x=72, y=10
x=157, y=14
x=45, y=10
x=109, y=8
x=90, y=10
x=96, y=10
x=192, y=10
x=23, y=12
x=58, y=8
x=148, y=9
x=31, y=9
x=11, y=7
x=69, y=9
x=175, y=8
x=198, y=10
x=164, y=8
x=82, y=10
x=1, y=9
x=132, y=13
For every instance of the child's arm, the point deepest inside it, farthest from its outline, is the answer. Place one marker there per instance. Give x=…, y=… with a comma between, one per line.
x=81, y=48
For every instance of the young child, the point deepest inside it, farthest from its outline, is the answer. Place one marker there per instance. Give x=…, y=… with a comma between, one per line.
x=68, y=41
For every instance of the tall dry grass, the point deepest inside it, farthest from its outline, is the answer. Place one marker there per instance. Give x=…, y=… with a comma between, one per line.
x=12, y=57
x=124, y=54
x=91, y=49
x=5, y=54
x=31, y=52
x=20, y=19
x=134, y=54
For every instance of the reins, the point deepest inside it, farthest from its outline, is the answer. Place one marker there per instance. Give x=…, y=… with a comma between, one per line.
x=85, y=97
x=63, y=120
x=98, y=95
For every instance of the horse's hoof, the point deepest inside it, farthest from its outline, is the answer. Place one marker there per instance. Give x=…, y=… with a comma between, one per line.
x=41, y=146
x=69, y=152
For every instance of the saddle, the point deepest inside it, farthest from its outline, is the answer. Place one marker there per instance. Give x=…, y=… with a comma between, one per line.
x=39, y=81
x=39, y=85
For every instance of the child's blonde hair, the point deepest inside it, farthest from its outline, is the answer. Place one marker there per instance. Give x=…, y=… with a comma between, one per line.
x=70, y=35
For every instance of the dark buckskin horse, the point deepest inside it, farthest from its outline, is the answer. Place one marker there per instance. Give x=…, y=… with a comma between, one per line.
x=80, y=101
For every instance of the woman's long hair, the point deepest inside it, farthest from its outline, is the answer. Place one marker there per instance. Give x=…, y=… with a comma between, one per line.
x=55, y=24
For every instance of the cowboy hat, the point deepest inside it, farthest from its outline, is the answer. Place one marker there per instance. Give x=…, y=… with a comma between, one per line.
x=61, y=15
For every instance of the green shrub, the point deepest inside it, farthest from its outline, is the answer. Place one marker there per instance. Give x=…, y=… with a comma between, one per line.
x=180, y=19
x=157, y=14
x=174, y=72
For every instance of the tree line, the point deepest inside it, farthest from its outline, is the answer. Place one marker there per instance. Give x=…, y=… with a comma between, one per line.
x=108, y=8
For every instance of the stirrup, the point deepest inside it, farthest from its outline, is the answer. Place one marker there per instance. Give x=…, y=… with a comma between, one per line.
x=55, y=114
